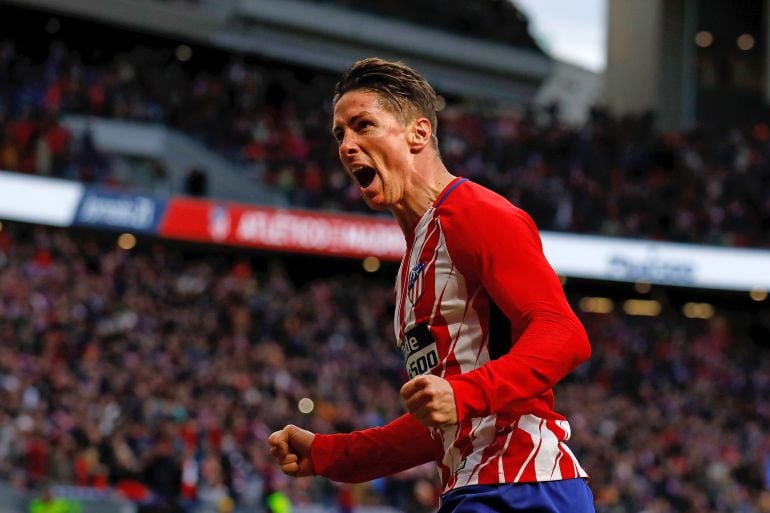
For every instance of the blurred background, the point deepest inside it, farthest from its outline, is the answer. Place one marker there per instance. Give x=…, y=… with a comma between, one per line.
x=184, y=266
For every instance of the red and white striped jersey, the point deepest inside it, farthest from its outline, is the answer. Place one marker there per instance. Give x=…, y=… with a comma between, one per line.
x=477, y=304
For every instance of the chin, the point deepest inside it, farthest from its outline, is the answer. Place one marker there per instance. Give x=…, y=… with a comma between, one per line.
x=377, y=207
x=374, y=204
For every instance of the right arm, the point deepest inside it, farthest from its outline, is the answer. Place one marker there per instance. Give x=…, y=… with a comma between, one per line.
x=361, y=455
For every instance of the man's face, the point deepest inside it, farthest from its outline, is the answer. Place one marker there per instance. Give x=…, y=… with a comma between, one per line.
x=373, y=147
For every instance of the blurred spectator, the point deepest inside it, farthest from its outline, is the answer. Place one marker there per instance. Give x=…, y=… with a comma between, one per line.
x=47, y=502
x=612, y=176
x=163, y=473
x=160, y=373
x=90, y=164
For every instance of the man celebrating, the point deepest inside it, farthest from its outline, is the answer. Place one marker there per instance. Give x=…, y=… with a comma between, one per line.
x=481, y=319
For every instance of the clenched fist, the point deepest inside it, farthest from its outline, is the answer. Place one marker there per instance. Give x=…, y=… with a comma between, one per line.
x=431, y=399
x=290, y=447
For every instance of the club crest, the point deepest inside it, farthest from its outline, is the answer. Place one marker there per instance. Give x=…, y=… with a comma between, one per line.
x=416, y=282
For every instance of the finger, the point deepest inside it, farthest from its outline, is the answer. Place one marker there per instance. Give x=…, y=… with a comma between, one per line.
x=429, y=412
x=279, y=448
x=413, y=386
x=419, y=400
x=290, y=469
x=277, y=438
x=289, y=463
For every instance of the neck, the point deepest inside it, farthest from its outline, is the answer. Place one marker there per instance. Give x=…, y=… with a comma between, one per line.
x=424, y=191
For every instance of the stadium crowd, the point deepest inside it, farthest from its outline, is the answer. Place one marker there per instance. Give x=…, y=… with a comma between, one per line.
x=160, y=372
x=611, y=176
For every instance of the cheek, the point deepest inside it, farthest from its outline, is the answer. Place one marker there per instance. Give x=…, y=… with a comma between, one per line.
x=395, y=153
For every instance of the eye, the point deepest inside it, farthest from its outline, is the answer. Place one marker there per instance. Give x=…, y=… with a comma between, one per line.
x=363, y=125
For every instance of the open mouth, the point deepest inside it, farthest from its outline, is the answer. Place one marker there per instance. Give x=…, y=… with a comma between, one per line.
x=364, y=176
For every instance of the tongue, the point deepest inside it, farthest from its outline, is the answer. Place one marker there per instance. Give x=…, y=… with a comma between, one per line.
x=365, y=176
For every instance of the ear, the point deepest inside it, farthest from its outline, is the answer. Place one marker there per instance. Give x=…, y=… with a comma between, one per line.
x=420, y=134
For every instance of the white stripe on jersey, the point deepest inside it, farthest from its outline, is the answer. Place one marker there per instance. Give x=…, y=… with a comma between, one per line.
x=452, y=456
x=531, y=425
x=547, y=459
x=578, y=469
x=482, y=435
x=500, y=468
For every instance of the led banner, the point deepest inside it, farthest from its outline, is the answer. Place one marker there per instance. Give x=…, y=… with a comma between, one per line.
x=690, y=265
x=35, y=199
x=53, y=202
x=116, y=210
x=283, y=230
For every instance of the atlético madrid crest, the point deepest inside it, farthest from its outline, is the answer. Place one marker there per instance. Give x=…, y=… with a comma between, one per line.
x=416, y=282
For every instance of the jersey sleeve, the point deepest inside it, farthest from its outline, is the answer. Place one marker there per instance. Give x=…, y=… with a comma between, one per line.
x=372, y=453
x=499, y=246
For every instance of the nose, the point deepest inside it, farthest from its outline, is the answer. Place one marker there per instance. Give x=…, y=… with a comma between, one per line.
x=348, y=145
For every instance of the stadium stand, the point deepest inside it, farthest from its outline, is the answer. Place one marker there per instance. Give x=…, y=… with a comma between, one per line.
x=159, y=372
x=610, y=176
x=155, y=374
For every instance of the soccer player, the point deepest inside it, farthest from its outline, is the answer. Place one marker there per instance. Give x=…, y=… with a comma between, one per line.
x=481, y=319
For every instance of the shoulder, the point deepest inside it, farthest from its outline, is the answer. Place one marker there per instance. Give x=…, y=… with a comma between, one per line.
x=475, y=208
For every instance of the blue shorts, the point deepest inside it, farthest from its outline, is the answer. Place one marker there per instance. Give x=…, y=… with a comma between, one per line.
x=567, y=496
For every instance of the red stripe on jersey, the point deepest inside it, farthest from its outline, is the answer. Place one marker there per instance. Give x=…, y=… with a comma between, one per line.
x=528, y=447
x=480, y=304
x=423, y=309
x=441, y=334
x=401, y=292
x=492, y=460
x=422, y=250
x=567, y=466
x=408, y=263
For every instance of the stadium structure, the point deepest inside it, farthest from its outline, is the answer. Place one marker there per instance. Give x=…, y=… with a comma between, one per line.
x=184, y=267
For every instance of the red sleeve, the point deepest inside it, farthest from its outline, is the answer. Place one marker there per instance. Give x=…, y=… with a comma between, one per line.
x=498, y=244
x=371, y=453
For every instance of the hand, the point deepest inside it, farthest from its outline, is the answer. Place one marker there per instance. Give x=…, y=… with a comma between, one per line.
x=431, y=399
x=290, y=447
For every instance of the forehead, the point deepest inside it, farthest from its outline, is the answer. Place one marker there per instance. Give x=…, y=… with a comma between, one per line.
x=354, y=103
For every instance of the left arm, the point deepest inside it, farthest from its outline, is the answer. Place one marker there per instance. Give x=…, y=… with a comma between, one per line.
x=512, y=268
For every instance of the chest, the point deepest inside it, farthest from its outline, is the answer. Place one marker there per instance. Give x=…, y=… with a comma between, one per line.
x=441, y=309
